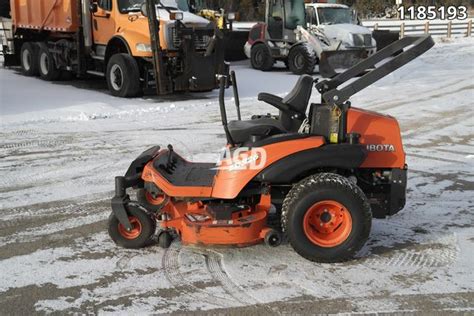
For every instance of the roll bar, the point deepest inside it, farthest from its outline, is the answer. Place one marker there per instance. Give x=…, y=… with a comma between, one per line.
x=328, y=88
x=223, y=84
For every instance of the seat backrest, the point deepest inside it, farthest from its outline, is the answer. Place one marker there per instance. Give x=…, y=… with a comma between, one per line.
x=298, y=99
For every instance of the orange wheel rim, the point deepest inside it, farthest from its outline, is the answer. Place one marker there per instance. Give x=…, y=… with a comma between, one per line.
x=136, y=229
x=327, y=223
x=154, y=201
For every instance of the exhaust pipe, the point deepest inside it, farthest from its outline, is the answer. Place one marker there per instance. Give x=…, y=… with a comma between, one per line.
x=87, y=25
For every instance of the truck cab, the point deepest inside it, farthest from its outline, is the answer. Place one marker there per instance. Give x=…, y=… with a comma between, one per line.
x=339, y=23
x=121, y=26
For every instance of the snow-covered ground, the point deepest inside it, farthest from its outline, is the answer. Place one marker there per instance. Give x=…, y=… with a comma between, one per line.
x=63, y=143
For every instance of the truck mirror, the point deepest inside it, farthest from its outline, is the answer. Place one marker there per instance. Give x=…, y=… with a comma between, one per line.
x=231, y=16
x=355, y=16
x=93, y=7
x=143, y=10
x=176, y=16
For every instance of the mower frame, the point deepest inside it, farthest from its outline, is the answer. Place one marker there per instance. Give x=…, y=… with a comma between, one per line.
x=224, y=207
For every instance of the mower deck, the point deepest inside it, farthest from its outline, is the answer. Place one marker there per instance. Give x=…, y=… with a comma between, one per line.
x=219, y=224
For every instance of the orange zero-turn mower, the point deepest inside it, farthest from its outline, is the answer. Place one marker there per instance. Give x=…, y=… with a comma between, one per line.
x=316, y=178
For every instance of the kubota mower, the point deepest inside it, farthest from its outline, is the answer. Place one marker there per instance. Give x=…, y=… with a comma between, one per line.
x=322, y=174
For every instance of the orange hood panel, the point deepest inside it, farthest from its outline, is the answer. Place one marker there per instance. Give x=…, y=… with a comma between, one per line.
x=381, y=134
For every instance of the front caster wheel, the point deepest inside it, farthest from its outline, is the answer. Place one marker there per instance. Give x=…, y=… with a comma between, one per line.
x=143, y=228
x=165, y=239
x=326, y=218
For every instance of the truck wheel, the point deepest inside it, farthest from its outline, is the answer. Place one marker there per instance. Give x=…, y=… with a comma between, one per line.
x=261, y=58
x=301, y=60
x=29, y=59
x=144, y=226
x=46, y=64
x=326, y=218
x=123, y=76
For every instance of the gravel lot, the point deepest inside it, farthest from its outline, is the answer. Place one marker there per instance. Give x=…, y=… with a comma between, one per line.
x=63, y=143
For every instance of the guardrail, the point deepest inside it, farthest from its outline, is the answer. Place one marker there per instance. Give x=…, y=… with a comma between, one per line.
x=443, y=28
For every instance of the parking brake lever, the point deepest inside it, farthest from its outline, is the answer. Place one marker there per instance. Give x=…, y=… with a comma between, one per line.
x=171, y=164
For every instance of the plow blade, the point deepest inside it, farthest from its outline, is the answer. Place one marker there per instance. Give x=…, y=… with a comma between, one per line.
x=339, y=60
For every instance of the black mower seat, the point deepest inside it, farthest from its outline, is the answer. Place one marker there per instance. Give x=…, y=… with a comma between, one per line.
x=298, y=97
x=289, y=120
x=241, y=131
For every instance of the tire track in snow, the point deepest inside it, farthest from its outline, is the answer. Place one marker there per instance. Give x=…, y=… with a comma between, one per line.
x=434, y=124
x=20, y=132
x=14, y=216
x=171, y=268
x=429, y=96
x=216, y=268
x=431, y=255
x=35, y=233
x=37, y=143
x=410, y=153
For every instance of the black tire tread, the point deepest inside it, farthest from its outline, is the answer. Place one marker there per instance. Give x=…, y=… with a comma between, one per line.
x=310, y=60
x=311, y=184
x=131, y=86
x=269, y=61
x=54, y=73
x=148, y=222
x=34, y=51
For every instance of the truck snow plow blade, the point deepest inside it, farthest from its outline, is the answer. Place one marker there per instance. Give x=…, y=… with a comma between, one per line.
x=332, y=61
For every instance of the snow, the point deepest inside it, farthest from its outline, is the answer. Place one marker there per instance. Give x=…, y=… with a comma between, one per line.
x=63, y=143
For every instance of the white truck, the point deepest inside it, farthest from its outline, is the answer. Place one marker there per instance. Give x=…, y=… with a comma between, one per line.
x=305, y=34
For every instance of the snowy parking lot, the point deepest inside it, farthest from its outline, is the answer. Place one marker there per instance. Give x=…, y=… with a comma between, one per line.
x=63, y=143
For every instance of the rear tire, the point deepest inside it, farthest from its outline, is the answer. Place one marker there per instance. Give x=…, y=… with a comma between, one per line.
x=326, y=218
x=144, y=226
x=301, y=60
x=46, y=64
x=123, y=76
x=29, y=59
x=261, y=57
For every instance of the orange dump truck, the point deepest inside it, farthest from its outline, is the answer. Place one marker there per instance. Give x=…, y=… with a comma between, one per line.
x=134, y=44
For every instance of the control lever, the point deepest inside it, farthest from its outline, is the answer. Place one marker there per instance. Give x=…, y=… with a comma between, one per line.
x=171, y=164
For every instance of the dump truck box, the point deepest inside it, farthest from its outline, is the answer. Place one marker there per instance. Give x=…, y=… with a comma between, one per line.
x=51, y=15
